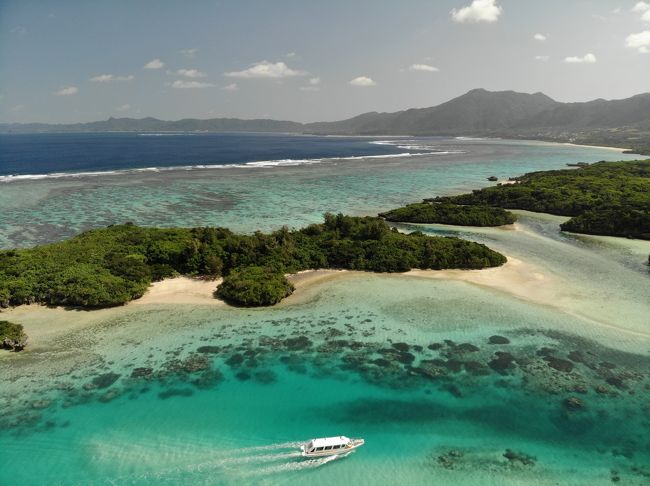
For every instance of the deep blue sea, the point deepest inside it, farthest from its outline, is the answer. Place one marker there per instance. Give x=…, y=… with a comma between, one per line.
x=46, y=153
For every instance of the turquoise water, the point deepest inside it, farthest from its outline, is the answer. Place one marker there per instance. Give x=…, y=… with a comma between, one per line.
x=224, y=396
x=265, y=198
x=191, y=394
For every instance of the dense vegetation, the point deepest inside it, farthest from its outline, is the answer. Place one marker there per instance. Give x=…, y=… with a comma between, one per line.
x=446, y=213
x=113, y=265
x=254, y=287
x=12, y=336
x=606, y=198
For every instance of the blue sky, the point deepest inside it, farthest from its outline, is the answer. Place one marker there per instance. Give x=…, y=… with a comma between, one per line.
x=68, y=61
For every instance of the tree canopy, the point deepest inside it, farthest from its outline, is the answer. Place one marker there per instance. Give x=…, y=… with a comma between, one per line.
x=110, y=266
x=446, y=213
x=606, y=198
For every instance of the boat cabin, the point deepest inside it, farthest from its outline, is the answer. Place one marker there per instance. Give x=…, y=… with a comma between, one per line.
x=327, y=444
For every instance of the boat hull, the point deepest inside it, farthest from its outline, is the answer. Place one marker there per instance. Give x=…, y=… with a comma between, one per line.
x=355, y=444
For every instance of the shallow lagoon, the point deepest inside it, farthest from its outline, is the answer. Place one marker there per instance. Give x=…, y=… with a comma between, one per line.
x=265, y=198
x=205, y=395
x=218, y=395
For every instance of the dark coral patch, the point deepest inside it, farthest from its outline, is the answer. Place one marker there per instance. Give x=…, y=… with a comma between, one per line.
x=105, y=380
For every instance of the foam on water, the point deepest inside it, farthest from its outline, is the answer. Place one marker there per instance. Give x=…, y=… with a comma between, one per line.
x=257, y=164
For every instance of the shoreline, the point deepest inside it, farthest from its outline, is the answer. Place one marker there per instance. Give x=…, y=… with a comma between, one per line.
x=603, y=147
x=516, y=278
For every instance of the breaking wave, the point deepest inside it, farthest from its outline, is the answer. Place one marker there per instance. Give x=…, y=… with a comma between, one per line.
x=246, y=165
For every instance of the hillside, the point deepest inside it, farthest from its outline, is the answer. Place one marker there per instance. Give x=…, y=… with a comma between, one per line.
x=508, y=114
x=477, y=110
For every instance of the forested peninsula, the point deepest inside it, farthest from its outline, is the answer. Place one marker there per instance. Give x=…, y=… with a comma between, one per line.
x=605, y=198
x=113, y=265
x=446, y=213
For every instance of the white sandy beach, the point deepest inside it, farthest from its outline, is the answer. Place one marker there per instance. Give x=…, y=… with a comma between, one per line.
x=181, y=290
x=615, y=149
x=516, y=278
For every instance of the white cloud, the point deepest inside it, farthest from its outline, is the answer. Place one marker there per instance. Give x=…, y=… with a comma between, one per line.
x=539, y=37
x=190, y=52
x=231, y=87
x=363, y=81
x=190, y=73
x=314, y=81
x=586, y=59
x=644, y=9
x=182, y=84
x=291, y=54
x=423, y=67
x=266, y=69
x=154, y=64
x=542, y=58
x=478, y=11
x=108, y=78
x=67, y=91
x=17, y=108
x=640, y=41
x=123, y=108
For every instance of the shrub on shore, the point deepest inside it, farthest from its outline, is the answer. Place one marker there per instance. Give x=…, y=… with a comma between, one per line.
x=12, y=336
x=254, y=287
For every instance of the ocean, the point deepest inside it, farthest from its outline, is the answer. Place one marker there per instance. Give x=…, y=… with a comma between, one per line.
x=448, y=381
x=38, y=155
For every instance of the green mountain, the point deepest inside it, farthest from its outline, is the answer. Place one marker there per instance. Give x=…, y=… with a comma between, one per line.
x=479, y=112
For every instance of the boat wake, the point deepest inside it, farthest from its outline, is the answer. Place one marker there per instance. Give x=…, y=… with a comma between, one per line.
x=245, y=462
x=297, y=465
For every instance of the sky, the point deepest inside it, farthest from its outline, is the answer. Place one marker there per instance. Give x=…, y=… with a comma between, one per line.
x=69, y=61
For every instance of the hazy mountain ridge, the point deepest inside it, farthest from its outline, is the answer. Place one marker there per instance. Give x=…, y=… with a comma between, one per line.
x=478, y=112
x=150, y=124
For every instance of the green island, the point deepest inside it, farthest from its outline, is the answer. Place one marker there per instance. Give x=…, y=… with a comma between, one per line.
x=446, y=213
x=113, y=265
x=605, y=198
x=12, y=336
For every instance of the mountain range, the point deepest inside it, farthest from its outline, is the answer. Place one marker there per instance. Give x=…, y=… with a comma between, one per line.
x=478, y=112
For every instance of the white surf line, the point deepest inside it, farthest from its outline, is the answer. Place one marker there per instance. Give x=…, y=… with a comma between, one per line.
x=261, y=164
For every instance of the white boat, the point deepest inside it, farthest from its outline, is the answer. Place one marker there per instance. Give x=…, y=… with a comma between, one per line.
x=330, y=446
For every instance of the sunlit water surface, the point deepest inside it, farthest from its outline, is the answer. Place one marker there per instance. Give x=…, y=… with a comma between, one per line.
x=447, y=382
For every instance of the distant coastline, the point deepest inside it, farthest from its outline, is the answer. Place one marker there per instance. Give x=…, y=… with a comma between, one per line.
x=602, y=123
